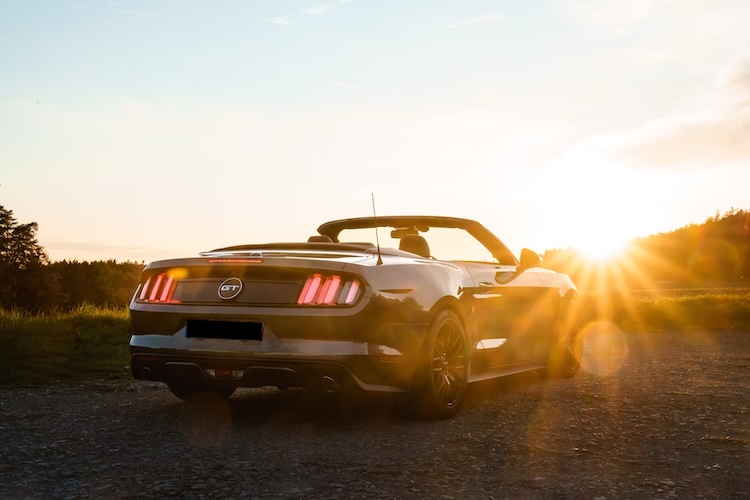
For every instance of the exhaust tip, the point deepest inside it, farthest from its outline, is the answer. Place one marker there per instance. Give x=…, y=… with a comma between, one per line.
x=329, y=384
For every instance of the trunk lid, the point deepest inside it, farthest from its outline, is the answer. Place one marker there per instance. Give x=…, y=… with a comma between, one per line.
x=253, y=277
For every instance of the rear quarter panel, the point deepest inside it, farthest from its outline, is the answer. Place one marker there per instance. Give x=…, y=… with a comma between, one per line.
x=411, y=290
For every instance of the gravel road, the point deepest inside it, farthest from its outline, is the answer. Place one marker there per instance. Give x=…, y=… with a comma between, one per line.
x=663, y=415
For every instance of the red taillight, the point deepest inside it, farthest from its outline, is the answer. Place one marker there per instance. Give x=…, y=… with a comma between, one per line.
x=328, y=291
x=144, y=290
x=351, y=294
x=310, y=290
x=158, y=289
x=166, y=290
x=157, y=286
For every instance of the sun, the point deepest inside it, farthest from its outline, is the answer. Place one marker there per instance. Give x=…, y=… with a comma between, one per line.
x=603, y=247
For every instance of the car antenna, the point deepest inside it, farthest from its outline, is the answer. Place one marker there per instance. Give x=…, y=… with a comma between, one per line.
x=377, y=238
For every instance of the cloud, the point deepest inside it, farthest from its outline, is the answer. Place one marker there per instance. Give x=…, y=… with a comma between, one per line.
x=721, y=23
x=734, y=81
x=483, y=19
x=317, y=9
x=282, y=20
x=112, y=6
x=713, y=135
x=96, y=3
x=614, y=15
x=133, y=12
x=689, y=141
x=345, y=85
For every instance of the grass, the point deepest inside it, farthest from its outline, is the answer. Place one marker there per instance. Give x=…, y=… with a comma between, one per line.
x=90, y=342
x=87, y=342
x=674, y=310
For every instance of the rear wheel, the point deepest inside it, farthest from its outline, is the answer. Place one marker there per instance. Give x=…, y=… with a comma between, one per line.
x=441, y=378
x=186, y=391
x=565, y=358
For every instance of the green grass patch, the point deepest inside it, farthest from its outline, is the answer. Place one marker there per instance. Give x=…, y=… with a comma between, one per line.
x=87, y=342
x=670, y=310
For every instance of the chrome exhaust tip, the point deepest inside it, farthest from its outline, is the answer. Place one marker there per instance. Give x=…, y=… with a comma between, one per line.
x=329, y=384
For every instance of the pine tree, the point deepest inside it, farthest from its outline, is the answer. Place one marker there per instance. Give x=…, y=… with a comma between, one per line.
x=23, y=281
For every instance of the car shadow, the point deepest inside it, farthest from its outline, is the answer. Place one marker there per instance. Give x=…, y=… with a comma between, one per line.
x=270, y=405
x=486, y=391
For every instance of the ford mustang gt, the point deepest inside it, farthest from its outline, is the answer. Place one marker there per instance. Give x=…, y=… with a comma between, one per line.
x=420, y=306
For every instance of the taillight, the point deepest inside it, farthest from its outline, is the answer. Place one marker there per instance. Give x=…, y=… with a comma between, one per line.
x=159, y=288
x=329, y=291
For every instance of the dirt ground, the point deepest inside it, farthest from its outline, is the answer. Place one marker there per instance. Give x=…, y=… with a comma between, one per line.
x=660, y=415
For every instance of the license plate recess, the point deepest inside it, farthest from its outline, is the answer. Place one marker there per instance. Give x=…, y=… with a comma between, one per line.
x=230, y=330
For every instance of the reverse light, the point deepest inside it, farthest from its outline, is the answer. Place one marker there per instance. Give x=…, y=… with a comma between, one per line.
x=329, y=291
x=158, y=289
x=223, y=373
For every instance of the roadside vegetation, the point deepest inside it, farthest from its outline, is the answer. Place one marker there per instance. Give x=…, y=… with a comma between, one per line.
x=674, y=310
x=84, y=343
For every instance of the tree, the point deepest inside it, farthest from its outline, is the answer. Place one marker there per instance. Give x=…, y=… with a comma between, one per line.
x=23, y=278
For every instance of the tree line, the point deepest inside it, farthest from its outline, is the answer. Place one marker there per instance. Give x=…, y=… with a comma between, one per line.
x=29, y=281
x=717, y=250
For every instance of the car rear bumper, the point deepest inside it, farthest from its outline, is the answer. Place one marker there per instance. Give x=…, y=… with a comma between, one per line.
x=315, y=374
x=370, y=366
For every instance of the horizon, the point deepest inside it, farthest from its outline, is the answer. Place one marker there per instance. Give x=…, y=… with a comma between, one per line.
x=137, y=131
x=608, y=255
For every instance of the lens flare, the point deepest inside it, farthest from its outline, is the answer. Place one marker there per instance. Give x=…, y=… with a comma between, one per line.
x=606, y=348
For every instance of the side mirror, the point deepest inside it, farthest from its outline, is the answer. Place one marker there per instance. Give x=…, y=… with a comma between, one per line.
x=529, y=258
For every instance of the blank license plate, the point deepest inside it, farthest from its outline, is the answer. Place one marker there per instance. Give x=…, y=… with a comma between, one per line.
x=232, y=330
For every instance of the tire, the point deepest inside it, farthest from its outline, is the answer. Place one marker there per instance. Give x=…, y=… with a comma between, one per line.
x=442, y=375
x=186, y=391
x=567, y=353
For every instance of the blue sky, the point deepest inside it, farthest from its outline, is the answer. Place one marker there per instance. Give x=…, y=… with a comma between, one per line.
x=137, y=129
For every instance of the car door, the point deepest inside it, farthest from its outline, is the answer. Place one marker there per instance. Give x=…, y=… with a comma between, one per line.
x=505, y=301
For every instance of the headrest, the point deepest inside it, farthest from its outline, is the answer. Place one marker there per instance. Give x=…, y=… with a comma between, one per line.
x=319, y=238
x=414, y=244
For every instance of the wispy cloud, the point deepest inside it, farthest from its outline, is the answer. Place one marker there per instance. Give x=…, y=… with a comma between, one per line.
x=481, y=19
x=282, y=20
x=704, y=141
x=133, y=12
x=709, y=136
x=314, y=10
x=317, y=9
x=96, y=3
x=734, y=81
x=615, y=15
x=345, y=85
x=113, y=6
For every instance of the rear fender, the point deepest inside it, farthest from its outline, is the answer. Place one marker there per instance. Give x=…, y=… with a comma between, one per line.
x=454, y=305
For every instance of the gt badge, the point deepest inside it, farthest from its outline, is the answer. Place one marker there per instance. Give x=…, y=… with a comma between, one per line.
x=230, y=288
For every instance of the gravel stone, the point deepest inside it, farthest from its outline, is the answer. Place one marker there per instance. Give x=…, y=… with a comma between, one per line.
x=650, y=415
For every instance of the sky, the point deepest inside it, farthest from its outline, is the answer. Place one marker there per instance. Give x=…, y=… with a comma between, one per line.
x=148, y=129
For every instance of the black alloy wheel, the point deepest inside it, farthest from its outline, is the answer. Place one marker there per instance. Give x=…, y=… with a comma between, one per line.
x=565, y=358
x=442, y=376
